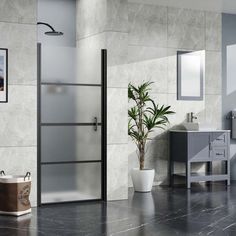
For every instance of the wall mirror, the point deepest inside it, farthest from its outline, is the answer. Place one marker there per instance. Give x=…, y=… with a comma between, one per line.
x=190, y=73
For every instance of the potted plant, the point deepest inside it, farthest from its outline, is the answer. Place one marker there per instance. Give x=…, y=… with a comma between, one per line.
x=144, y=116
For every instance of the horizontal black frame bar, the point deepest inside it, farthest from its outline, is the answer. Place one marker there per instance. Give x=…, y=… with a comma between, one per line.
x=69, y=162
x=69, y=124
x=70, y=84
x=96, y=200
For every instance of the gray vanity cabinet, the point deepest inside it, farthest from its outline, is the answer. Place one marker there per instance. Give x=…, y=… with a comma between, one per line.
x=196, y=146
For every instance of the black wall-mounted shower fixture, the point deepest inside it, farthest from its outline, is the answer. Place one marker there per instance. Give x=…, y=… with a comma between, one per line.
x=52, y=32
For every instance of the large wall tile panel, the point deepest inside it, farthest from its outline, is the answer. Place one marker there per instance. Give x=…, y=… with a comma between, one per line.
x=118, y=76
x=147, y=25
x=18, y=117
x=116, y=48
x=213, y=31
x=18, y=147
x=20, y=39
x=117, y=169
x=20, y=11
x=153, y=67
x=117, y=16
x=91, y=17
x=186, y=36
x=117, y=99
x=186, y=16
x=117, y=115
x=213, y=110
x=213, y=77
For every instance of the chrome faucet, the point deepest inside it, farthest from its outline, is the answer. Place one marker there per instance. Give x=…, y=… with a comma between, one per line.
x=191, y=117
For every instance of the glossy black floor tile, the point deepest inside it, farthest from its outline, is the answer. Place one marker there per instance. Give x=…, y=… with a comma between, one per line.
x=203, y=210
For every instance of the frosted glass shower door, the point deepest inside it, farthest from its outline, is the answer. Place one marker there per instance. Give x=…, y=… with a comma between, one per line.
x=71, y=127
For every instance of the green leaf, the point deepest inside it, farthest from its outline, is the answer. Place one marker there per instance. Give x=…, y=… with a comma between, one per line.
x=146, y=115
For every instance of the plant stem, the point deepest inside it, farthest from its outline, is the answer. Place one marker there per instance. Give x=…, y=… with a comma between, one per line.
x=141, y=158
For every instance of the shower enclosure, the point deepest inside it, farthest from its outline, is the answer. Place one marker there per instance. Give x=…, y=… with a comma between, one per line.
x=71, y=124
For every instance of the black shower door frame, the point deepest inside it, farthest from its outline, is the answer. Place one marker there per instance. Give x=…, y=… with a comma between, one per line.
x=103, y=125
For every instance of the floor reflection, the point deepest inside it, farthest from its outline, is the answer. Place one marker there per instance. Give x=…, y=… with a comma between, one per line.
x=203, y=210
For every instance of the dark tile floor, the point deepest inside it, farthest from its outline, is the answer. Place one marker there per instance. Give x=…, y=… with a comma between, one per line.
x=203, y=210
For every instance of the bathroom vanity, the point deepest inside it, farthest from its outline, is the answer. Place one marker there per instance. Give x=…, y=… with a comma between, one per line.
x=200, y=147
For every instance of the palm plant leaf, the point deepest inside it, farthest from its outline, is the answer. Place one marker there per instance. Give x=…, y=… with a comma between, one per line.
x=144, y=116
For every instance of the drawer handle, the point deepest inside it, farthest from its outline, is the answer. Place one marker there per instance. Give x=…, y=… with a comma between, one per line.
x=220, y=139
x=219, y=154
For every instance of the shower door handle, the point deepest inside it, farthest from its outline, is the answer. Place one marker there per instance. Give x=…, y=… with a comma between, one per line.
x=95, y=127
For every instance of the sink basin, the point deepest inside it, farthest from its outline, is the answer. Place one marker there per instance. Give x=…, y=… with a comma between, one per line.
x=191, y=126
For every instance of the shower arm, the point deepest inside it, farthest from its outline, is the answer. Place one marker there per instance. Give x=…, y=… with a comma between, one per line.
x=42, y=23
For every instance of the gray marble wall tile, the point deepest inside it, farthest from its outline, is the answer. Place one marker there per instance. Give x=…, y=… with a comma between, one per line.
x=148, y=64
x=20, y=39
x=181, y=108
x=117, y=168
x=117, y=15
x=91, y=17
x=142, y=53
x=186, y=37
x=19, y=118
x=213, y=31
x=213, y=72
x=154, y=70
x=172, y=70
x=18, y=161
x=94, y=43
x=213, y=110
x=148, y=34
x=146, y=12
x=213, y=19
x=117, y=48
x=207, y=111
x=186, y=16
x=117, y=76
x=147, y=25
x=117, y=115
x=20, y=11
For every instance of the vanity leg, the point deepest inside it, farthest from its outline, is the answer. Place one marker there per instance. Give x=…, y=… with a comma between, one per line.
x=188, y=174
x=228, y=171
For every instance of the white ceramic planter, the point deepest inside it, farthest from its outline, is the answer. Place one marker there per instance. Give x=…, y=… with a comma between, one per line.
x=142, y=179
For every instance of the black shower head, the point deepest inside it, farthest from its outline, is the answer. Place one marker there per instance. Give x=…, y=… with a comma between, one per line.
x=52, y=32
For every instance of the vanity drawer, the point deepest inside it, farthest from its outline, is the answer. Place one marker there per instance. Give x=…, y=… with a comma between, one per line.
x=219, y=153
x=219, y=139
